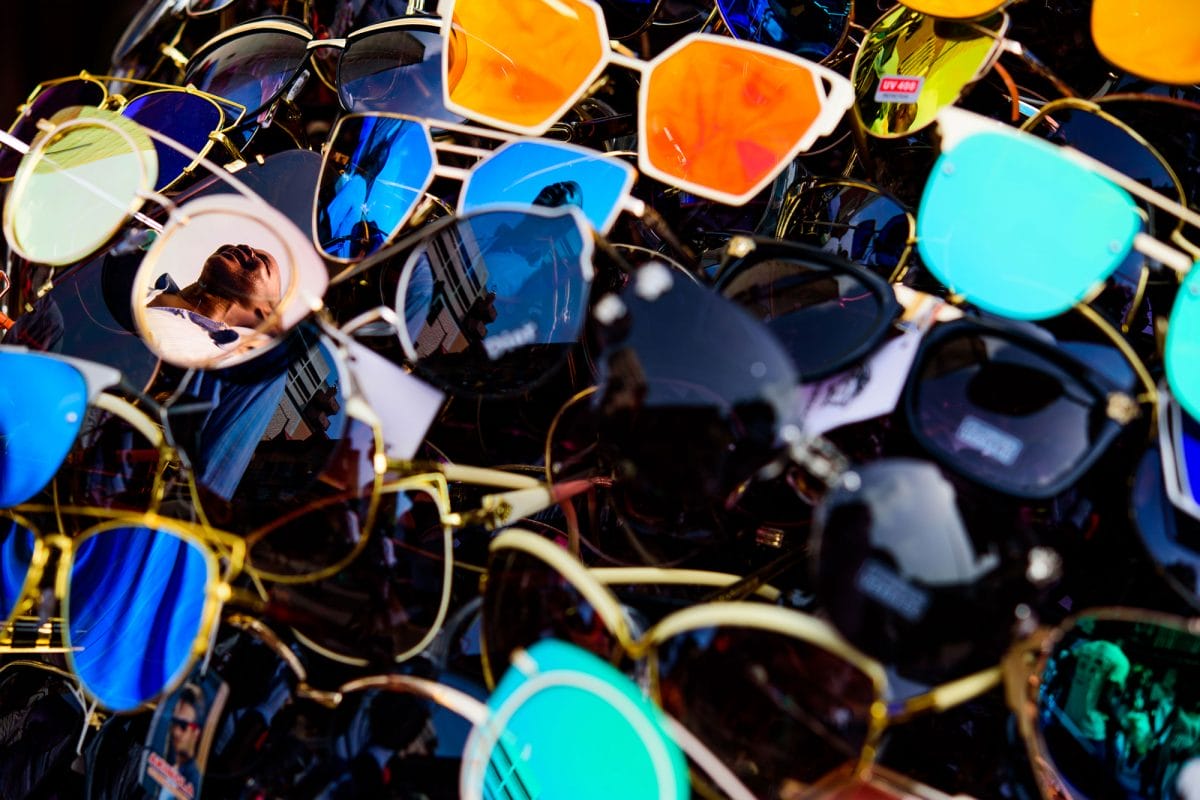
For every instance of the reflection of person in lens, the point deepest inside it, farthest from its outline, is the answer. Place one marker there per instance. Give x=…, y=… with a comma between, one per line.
x=187, y=721
x=237, y=292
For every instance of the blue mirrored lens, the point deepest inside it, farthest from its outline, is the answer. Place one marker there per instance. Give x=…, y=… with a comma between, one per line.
x=135, y=605
x=42, y=405
x=251, y=69
x=399, y=71
x=494, y=301
x=1019, y=230
x=16, y=554
x=811, y=30
x=1181, y=356
x=612, y=723
x=375, y=171
x=547, y=174
x=184, y=117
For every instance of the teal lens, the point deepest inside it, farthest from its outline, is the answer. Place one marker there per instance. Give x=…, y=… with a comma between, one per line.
x=617, y=746
x=1018, y=229
x=1181, y=356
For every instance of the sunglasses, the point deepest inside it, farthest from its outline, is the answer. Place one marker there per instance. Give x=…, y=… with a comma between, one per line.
x=852, y=219
x=778, y=670
x=910, y=66
x=1157, y=42
x=1163, y=508
x=523, y=69
x=815, y=31
x=968, y=237
x=391, y=66
x=1013, y=412
x=195, y=119
x=377, y=167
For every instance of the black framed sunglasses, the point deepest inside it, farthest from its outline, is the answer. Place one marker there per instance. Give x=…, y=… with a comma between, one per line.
x=392, y=66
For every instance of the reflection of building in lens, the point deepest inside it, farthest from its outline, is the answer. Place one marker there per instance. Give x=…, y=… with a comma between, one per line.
x=447, y=294
x=310, y=398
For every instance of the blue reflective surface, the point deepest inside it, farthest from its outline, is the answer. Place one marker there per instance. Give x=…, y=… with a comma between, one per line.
x=42, y=405
x=136, y=600
x=548, y=174
x=16, y=554
x=373, y=176
x=1018, y=229
x=251, y=70
x=808, y=28
x=186, y=118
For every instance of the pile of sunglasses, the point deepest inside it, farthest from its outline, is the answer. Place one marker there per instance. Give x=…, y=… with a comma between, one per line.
x=605, y=398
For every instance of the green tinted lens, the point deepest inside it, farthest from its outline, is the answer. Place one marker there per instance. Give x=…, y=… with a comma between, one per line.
x=78, y=185
x=1119, y=707
x=910, y=66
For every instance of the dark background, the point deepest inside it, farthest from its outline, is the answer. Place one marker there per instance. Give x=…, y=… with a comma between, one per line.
x=43, y=39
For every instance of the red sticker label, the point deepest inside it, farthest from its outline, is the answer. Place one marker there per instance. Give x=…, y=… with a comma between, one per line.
x=899, y=89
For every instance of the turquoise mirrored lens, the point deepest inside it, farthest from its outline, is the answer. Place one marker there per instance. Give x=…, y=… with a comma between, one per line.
x=373, y=176
x=617, y=746
x=1019, y=230
x=42, y=405
x=548, y=174
x=1182, y=353
x=16, y=554
x=135, y=605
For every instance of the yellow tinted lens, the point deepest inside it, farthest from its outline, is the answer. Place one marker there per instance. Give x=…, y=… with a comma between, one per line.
x=520, y=65
x=1156, y=39
x=910, y=66
x=955, y=9
x=723, y=118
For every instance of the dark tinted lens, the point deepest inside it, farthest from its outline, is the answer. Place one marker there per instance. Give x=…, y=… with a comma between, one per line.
x=917, y=574
x=495, y=301
x=1172, y=538
x=184, y=117
x=41, y=719
x=1119, y=709
x=151, y=14
x=1003, y=414
x=383, y=602
x=16, y=555
x=860, y=225
x=526, y=600
x=779, y=711
x=49, y=101
x=397, y=71
x=825, y=317
x=1170, y=126
x=811, y=30
x=251, y=70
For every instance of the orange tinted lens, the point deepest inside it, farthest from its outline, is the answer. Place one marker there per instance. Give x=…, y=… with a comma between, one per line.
x=1156, y=39
x=522, y=64
x=725, y=117
x=955, y=9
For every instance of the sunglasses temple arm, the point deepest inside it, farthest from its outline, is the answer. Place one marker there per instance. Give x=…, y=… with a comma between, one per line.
x=1159, y=251
x=948, y=695
x=704, y=758
x=497, y=510
x=655, y=222
x=1038, y=67
x=757, y=579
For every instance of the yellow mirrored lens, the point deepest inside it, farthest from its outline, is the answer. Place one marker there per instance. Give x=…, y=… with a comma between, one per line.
x=522, y=64
x=1156, y=39
x=955, y=9
x=724, y=118
x=910, y=66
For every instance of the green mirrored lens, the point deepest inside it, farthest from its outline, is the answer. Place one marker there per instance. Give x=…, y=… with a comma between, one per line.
x=911, y=65
x=78, y=185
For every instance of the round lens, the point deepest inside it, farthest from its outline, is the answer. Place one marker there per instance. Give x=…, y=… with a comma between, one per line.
x=396, y=71
x=134, y=608
x=389, y=599
x=251, y=69
x=77, y=186
x=187, y=118
x=824, y=316
x=1003, y=413
x=42, y=405
x=858, y=223
x=910, y=66
x=780, y=711
x=47, y=103
x=810, y=30
x=17, y=544
x=526, y=600
x=495, y=301
x=1117, y=708
x=375, y=171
